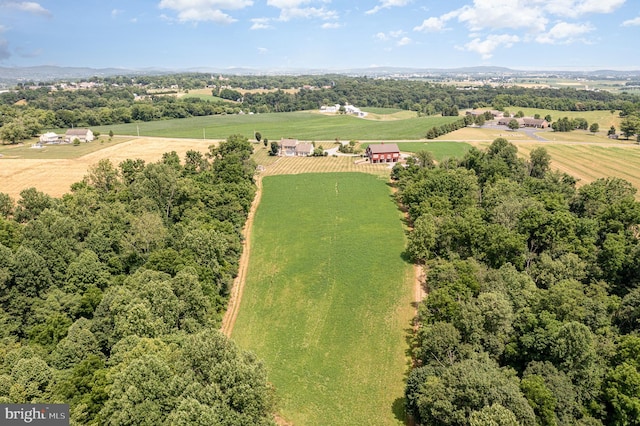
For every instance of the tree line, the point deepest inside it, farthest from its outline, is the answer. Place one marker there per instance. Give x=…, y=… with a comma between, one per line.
x=114, y=101
x=111, y=296
x=533, y=299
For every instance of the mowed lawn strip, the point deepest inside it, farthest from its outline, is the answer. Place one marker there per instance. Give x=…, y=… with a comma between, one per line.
x=327, y=302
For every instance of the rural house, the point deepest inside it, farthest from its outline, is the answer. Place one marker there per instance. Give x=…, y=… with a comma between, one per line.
x=383, y=153
x=293, y=148
x=50, y=137
x=304, y=149
x=83, y=135
x=287, y=147
x=538, y=123
x=330, y=109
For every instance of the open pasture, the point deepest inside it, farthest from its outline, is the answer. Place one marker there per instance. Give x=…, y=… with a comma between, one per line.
x=204, y=94
x=382, y=110
x=327, y=300
x=300, y=125
x=440, y=150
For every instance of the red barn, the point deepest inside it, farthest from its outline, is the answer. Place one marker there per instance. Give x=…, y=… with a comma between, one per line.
x=383, y=153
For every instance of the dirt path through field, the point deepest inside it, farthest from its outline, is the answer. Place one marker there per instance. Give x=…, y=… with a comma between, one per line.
x=419, y=291
x=229, y=319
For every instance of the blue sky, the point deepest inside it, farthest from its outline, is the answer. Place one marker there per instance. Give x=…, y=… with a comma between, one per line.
x=328, y=34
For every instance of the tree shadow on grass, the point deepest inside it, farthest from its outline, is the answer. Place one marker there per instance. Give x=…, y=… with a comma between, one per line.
x=398, y=409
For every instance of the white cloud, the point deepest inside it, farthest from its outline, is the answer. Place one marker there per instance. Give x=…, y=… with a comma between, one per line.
x=513, y=14
x=576, y=8
x=527, y=20
x=133, y=20
x=385, y=4
x=399, y=37
x=431, y=25
x=261, y=24
x=631, y=22
x=291, y=9
x=287, y=4
x=307, y=13
x=330, y=25
x=204, y=10
x=263, y=50
x=116, y=12
x=487, y=46
x=27, y=6
x=564, y=32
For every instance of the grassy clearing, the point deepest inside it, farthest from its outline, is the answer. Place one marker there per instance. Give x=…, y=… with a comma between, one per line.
x=301, y=125
x=373, y=110
x=57, y=152
x=328, y=298
x=440, y=150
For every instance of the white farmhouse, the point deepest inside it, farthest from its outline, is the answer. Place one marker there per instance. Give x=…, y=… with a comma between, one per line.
x=83, y=135
x=50, y=137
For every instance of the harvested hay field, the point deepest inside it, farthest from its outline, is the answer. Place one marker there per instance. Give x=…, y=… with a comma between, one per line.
x=299, y=165
x=55, y=176
x=588, y=162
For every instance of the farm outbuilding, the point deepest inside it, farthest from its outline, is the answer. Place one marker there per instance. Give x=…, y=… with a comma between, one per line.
x=83, y=135
x=535, y=122
x=50, y=137
x=304, y=149
x=383, y=153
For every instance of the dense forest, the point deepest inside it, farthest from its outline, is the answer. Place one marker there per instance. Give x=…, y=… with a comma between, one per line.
x=533, y=299
x=27, y=111
x=111, y=297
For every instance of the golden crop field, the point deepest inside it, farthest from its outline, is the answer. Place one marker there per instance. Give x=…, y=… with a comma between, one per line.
x=54, y=176
x=588, y=162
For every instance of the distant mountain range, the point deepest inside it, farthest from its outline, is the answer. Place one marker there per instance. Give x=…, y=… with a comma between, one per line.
x=10, y=76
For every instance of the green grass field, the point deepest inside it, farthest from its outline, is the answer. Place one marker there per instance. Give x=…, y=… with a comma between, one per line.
x=374, y=110
x=299, y=125
x=327, y=302
x=440, y=150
